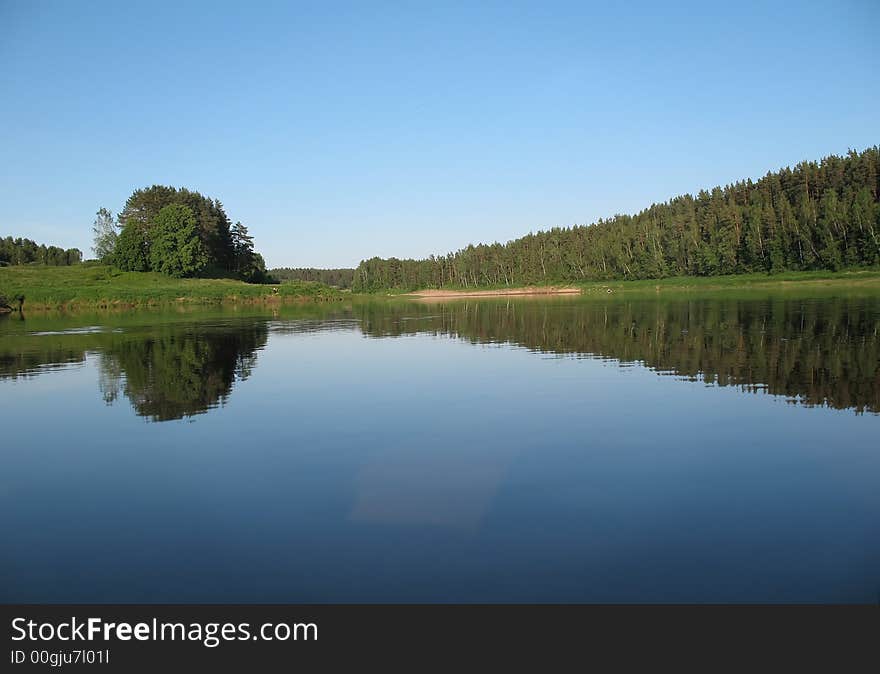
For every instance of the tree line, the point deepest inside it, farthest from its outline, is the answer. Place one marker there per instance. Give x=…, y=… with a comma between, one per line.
x=817, y=215
x=24, y=251
x=339, y=278
x=178, y=232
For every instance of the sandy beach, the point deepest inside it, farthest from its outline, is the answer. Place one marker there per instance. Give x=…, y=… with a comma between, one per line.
x=531, y=290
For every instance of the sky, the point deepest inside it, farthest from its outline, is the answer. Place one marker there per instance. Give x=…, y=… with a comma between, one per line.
x=340, y=131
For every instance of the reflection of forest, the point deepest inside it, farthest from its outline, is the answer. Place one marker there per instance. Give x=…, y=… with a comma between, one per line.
x=168, y=372
x=18, y=363
x=820, y=352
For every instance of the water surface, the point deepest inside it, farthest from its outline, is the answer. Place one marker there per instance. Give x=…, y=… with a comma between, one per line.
x=556, y=450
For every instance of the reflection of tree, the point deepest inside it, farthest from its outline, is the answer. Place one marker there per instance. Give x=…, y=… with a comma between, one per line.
x=169, y=372
x=819, y=352
x=179, y=373
x=23, y=363
x=109, y=379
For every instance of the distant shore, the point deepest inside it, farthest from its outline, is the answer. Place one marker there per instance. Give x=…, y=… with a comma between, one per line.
x=90, y=286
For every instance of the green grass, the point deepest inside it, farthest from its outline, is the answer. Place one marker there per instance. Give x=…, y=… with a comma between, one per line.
x=101, y=286
x=862, y=280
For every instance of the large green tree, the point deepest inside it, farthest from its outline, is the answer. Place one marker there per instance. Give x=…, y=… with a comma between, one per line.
x=197, y=242
x=212, y=223
x=175, y=246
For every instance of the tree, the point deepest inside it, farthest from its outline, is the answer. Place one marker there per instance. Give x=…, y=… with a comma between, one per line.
x=242, y=248
x=212, y=223
x=340, y=278
x=131, y=252
x=257, y=272
x=25, y=251
x=830, y=229
x=104, y=234
x=175, y=247
x=222, y=253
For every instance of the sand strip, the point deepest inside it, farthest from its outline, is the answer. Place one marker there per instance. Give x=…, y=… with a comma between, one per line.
x=532, y=290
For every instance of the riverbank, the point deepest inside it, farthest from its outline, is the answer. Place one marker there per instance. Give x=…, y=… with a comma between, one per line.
x=90, y=286
x=863, y=280
x=434, y=294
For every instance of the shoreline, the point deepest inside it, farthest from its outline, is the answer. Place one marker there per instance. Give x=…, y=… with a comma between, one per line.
x=76, y=305
x=861, y=280
x=500, y=292
x=93, y=286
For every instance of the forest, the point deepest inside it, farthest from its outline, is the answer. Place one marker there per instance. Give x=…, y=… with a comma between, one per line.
x=338, y=278
x=177, y=232
x=821, y=215
x=24, y=251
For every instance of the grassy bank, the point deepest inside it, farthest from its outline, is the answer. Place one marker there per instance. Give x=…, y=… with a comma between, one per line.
x=99, y=286
x=862, y=280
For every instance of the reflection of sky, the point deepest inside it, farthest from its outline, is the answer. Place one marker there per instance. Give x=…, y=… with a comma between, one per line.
x=349, y=468
x=402, y=486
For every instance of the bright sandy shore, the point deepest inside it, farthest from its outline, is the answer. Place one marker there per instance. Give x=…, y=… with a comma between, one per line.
x=532, y=290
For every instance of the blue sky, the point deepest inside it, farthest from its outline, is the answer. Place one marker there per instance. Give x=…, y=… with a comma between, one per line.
x=340, y=131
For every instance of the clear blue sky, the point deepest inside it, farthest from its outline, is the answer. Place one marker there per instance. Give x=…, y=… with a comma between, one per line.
x=339, y=131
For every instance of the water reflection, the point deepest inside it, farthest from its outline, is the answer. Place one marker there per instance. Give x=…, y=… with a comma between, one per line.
x=819, y=352
x=382, y=452
x=167, y=372
x=815, y=352
x=176, y=373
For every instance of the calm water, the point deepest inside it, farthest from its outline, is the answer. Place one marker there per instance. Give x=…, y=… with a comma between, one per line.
x=537, y=450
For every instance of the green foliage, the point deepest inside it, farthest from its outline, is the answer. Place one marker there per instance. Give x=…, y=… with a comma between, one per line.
x=242, y=247
x=256, y=271
x=222, y=250
x=143, y=206
x=24, y=251
x=104, y=234
x=175, y=248
x=339, y=278
x=131, y=251
x=816, y=216
x=248, y=265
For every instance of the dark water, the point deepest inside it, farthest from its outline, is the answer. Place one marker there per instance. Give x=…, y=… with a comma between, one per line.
x=567, y=450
